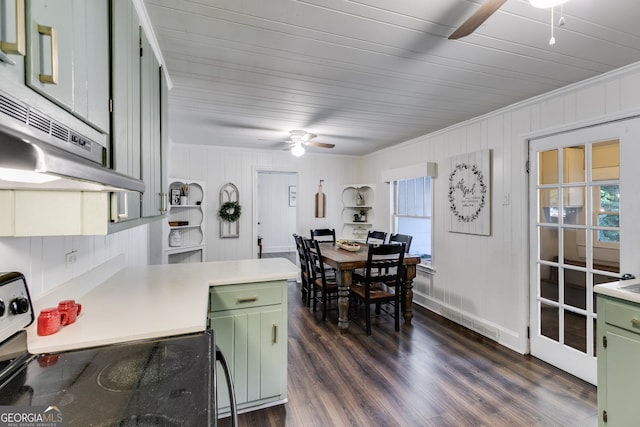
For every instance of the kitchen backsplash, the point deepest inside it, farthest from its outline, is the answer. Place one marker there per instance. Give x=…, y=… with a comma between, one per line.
x=48, y=262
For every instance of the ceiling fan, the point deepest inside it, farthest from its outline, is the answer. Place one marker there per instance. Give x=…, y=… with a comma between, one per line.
x=489, y=8
x=300, y=139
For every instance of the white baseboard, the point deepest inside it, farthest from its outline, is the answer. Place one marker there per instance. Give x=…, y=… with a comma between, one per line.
x=505, y=337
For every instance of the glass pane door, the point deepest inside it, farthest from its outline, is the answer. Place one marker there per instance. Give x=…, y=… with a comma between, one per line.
x=576, y=231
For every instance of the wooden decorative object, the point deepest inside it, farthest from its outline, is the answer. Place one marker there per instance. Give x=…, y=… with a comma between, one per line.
x=321, y=202
x=229, y=193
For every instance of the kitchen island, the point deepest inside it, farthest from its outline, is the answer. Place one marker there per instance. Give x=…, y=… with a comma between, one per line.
x=145, y=302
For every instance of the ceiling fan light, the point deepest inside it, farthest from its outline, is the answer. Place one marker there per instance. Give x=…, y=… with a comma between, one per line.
x=297, y=149
x=546, y=4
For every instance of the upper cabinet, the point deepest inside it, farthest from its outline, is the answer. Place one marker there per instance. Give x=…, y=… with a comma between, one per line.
x=89, y=66
x=125, y=93
x=13, y=41
x=68, y=56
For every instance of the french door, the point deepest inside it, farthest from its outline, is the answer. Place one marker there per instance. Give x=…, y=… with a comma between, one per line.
x=584, y=230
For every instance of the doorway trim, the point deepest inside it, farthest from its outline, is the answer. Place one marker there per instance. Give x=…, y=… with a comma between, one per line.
x=255, y=174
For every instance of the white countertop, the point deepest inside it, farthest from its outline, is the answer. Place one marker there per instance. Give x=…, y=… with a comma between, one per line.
x=620, y=290
x=149, y=301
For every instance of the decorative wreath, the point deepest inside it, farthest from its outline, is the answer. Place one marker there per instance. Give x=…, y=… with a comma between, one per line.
x=467, y=188
x=230, y=211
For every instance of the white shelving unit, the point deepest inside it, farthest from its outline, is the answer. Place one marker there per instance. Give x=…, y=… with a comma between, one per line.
x=189, y=243
x=357, y=212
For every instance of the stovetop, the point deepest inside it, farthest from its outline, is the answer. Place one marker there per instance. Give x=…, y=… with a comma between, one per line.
x=160, y=382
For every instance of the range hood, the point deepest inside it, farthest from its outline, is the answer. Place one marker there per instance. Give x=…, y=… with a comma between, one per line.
x=40, y=154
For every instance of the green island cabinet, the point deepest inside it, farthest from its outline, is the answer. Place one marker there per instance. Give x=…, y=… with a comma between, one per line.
x=250, y=325
x=618, y=357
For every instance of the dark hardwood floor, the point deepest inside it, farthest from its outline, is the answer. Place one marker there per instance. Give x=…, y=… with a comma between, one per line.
x=433, y=373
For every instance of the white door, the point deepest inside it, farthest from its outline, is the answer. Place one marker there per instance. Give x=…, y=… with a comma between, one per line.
x=584, y=202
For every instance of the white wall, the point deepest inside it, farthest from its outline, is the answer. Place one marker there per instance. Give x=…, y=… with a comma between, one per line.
x=482, y=282
x=217, y=166
x=42, y=259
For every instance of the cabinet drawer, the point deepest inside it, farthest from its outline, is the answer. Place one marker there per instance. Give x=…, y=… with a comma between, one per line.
x=622, y=315
x=249, y=295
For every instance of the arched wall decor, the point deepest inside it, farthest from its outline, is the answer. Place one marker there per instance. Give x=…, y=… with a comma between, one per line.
x=230, y=203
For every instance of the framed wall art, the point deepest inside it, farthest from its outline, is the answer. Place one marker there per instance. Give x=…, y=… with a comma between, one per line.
x=293, y=195
x=175, y=196
x=469, y=193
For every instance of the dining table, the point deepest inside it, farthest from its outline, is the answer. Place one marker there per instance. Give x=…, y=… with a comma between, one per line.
x=346, y=261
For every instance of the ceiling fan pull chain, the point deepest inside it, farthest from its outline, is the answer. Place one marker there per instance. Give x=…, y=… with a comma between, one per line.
x=561, y=20
x=552, y=41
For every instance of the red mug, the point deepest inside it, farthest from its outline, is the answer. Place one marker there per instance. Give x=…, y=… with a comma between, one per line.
x=71, y=309
x=50, y=320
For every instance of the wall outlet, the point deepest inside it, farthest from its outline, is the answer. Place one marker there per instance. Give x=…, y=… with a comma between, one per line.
x=71, y=258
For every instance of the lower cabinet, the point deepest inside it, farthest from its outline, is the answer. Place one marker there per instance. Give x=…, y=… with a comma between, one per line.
x=250, y=325
x=618, y=354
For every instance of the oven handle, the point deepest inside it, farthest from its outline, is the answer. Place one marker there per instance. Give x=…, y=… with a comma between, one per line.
x=232, y=395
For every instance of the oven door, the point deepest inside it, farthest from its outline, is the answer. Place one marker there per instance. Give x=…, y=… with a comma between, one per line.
x=168, y=381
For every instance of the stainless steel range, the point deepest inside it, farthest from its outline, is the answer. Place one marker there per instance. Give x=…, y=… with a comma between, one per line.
x=161, y=382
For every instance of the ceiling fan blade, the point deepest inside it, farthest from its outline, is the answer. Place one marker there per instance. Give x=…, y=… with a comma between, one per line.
x=475, y=20
x=319, y=144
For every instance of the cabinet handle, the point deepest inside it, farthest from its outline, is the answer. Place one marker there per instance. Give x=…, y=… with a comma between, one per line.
x=19, y=46
x=274, y=329
x=635, y=323
x=163, y=202
x=53, y=37
x=115, y=213
x=247, y=299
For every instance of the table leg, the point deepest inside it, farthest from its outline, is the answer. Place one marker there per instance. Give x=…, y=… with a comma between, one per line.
x=410, y=271
x=344, y=282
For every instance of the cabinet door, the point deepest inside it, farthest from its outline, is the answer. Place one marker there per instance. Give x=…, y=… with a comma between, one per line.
x=91, y=90
x=253, y=342
x=125, y=132
x=150, y=130
x=274, y=341
x=619, y=362
x=13, y=46
x=50, y=49
x=68, y=56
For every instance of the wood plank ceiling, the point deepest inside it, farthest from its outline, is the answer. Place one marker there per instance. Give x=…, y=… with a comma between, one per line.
x=367, y=74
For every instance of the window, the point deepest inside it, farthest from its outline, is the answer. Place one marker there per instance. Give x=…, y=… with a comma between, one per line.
x=411, y=214
x=608, y=214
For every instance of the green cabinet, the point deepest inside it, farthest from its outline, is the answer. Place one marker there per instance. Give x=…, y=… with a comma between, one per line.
x=125, y=95
x=68, y=56
x=618, y=355
x=250, y=325
x=150, y=135
x=12, y=45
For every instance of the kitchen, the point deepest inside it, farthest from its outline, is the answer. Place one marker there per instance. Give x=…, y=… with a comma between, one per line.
x=500, y=304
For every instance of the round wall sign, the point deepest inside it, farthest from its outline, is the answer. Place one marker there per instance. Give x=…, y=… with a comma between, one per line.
x=467, y=192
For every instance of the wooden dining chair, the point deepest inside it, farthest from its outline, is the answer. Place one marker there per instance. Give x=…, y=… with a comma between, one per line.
x=324, y=235
x=376, y=237
x=373, y=287
x=323, y=288
x=305, y=276
x=402, y=238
